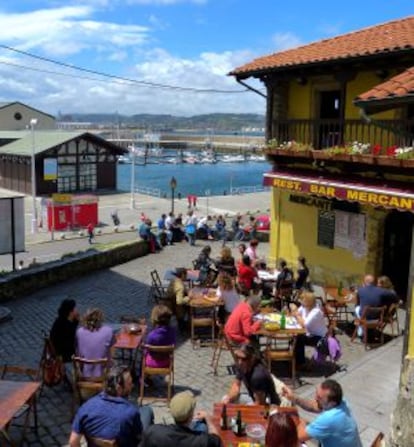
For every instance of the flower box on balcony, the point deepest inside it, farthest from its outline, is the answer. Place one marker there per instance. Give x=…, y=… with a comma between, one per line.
x=383, y=160
x=364, y=158
x=320, y=155
x=407, y=162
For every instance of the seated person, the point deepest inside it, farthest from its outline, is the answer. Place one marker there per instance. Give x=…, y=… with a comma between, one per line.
x=302, y=273
x=240, y=327
x=335, y=425
x=226, y=290
x=311, y=318
x=110, y=415
x=391, y=297
x=285, y=280
x=162, y=334
x=63, y=332
x=225, y=263
x=251, y=251
x=203, y=225
x=146, y=234
x=246, y=274
x=282, y=431
x=182, y=434
x=94, y=341
x=177, y=297
x=220, y=228
x=257, y=379
x=205, y=264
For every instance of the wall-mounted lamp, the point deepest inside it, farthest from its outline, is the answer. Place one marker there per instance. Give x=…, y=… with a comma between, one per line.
x=301, y=80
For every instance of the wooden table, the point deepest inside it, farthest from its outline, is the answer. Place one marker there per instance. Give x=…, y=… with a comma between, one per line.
x=251, y=414
x=13, y=395
x=130, y=342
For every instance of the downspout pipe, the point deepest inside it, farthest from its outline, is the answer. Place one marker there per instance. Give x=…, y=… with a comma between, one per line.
x=251, y=88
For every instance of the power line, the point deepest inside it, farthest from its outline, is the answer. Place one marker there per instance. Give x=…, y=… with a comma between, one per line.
x=115, y=77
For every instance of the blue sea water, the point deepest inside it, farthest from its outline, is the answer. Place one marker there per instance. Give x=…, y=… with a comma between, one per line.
x=198, y=179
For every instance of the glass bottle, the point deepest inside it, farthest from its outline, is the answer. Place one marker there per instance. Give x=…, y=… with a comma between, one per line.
x=340, y=289
x=239, y=424
x=267, y=407
x=223, y=419
x=283, y=320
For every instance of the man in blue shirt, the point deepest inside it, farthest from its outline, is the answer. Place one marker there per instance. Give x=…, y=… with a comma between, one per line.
x=110, y=415
x=335, y=426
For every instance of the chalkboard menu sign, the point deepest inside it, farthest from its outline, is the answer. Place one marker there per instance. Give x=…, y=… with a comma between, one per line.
x=326, y=229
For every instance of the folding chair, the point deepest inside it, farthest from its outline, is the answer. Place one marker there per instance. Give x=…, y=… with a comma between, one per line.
x=163, y=352
x=281, y=348
x=158, y=292
x=222, y=343
x=85, y=383
x=372, y=318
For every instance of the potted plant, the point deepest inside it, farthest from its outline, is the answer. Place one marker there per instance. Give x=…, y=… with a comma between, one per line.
x=406, y=156
x=389, y=159
x=289, y=148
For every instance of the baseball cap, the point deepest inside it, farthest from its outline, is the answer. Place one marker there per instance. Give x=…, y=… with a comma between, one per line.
x=182, y=405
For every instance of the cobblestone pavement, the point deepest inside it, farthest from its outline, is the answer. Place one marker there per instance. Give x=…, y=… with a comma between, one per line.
x=124, y=290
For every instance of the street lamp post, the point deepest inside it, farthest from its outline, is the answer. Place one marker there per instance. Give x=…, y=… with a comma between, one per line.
x=33, y=123
x=132, y=153
x=173, y=185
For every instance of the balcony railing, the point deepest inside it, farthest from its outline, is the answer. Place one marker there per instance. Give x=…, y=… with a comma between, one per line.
x=325, y=133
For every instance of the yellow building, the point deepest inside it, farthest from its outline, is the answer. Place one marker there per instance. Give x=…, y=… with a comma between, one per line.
x=340, y=131
x=341, y=196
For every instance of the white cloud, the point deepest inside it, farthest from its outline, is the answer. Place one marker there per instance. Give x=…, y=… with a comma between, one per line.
x=73, y=35
x=285, y=41
x=67, y=31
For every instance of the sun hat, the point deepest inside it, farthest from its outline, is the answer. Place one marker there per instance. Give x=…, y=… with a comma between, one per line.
x=182, y=406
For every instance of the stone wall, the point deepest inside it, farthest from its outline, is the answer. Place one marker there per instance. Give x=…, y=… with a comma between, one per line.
x=402, y=421
x=23, y=282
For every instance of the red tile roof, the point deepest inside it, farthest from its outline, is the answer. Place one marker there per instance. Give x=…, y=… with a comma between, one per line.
x=397, y=87
x=389, y=37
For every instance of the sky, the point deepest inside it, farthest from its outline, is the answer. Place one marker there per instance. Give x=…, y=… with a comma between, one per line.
x=190, y=45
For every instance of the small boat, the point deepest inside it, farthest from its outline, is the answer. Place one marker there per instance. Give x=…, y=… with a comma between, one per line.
x=232, y=158
x=124, y=159
x=191, y=160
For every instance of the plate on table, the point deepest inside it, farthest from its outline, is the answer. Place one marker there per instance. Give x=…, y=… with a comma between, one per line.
x=255, y=431
x=133, y=328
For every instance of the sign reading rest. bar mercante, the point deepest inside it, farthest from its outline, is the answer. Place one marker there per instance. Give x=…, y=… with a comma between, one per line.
x=366, y=195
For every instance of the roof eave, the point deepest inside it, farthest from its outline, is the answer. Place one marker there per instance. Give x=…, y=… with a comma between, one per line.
x=377, y=105
x=349, y=59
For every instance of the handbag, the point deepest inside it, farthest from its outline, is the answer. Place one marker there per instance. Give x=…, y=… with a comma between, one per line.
x=323, y=347
x=52, y=371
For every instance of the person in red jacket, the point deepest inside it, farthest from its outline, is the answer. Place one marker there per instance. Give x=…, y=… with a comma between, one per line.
x=240, y=327
x=90, y=229
x=246, y=274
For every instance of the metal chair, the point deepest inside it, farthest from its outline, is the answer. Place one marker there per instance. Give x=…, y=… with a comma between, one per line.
x=372, y=318
x=161, y=352
x=21, y=373
x=158, y=291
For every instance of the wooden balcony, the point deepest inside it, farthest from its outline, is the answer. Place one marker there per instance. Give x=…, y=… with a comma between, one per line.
x=322, y=134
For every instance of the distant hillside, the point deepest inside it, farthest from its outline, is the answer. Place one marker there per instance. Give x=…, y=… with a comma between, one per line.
x=215, y=121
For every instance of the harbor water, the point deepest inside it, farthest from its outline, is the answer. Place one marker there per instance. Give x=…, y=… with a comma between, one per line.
x=198, y=179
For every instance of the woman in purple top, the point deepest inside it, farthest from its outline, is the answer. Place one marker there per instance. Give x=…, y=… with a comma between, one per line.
x=94, y=341
x=162, y=334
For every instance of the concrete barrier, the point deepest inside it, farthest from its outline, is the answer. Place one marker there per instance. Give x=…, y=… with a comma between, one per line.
x=22, y=282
